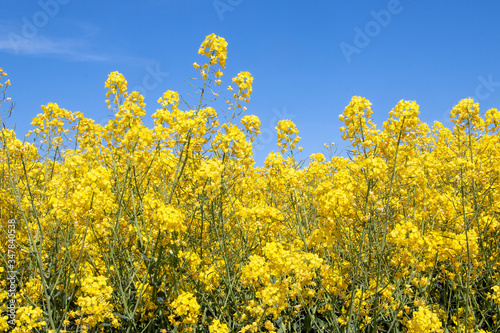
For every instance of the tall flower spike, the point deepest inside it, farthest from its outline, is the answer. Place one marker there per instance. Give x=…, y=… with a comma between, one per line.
x=217, y=49
x=117, y=85
x=244, y=82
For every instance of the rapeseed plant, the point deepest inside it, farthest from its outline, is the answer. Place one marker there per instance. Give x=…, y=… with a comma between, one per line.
x=125, y=228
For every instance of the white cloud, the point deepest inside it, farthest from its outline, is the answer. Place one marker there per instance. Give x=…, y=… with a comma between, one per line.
x=70, y=49
x=83, y=44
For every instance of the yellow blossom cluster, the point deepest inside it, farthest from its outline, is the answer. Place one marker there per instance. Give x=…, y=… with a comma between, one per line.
x=218, y=327
x=125, y=227
x=285, y=129
x=116, y=85
x=244, y=82
x=496, y=294
x=185, y=310
x=28, y=318
x=94, y=303
x=170, y=99
x=424, y=321
x=217, y=49
x=251, y=124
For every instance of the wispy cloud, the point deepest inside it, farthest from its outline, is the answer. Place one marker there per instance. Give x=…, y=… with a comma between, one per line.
x=28, y=35
x=70, y=49
x=83, y=44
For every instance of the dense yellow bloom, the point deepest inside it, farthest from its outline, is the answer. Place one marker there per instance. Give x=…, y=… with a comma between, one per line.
x=424, y=321
x=244, y=82
x=285, y=129
x=94, y=302
x=123, y=226
x=218, y=327
x=496, y=294
x=217, y=49
x=251, y=124
x=170, y=100
x=356, y=117
x=4, y=325
x=466, y=113
x=28, y=318
x=117, y=86
x=185, y=310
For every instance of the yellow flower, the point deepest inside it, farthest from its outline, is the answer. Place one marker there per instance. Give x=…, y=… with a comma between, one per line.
x=217, y=49
x=186, y=308
x=285, y=129
x=496, y=294
x=424, y=321
x=244, y=82
x=218, y=73
x=218, y=327
x=117, y=86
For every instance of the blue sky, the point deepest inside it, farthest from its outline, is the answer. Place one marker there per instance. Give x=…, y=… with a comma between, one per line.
x=307, y=58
